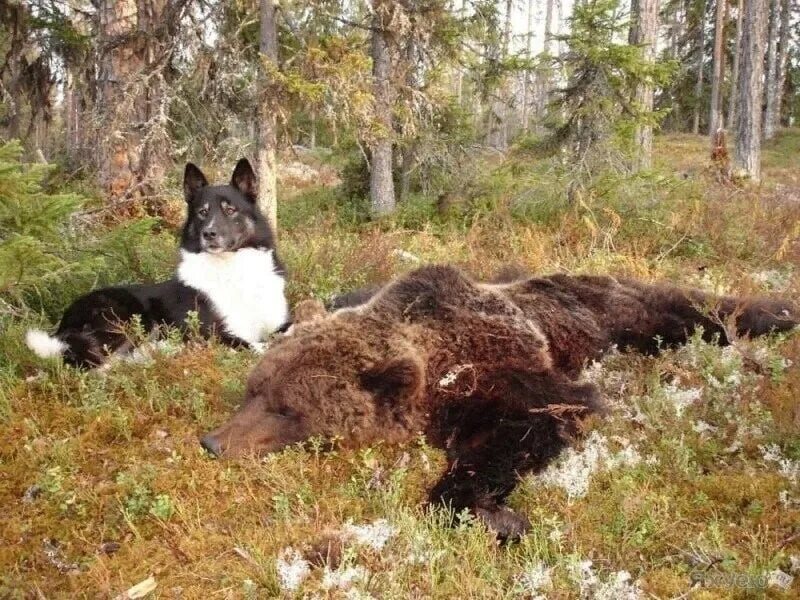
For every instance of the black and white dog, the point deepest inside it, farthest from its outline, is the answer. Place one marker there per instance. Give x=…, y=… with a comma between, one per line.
x=229, y=273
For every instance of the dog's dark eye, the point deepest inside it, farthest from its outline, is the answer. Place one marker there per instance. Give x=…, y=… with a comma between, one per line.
x=203, y=212
x=229, y=210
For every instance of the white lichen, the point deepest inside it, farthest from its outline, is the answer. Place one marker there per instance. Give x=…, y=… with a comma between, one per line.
x=343, y=578
x=617, y=586
x=773, y=279
x=702, y=427
x=292, y=569
x=787, y=467
x=536, y=579
x=794, y=564
x=375, y=534
x=681, y=398
x=574, y=470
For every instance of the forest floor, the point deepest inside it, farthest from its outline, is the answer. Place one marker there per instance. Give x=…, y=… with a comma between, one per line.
x=689, y=488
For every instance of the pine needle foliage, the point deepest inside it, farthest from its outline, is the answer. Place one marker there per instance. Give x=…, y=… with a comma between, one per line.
x=33, y=225
x=593, y=114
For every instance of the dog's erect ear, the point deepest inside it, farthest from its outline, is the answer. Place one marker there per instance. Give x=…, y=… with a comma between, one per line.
x=193, y=180
x=244, y=180
x=395, y=380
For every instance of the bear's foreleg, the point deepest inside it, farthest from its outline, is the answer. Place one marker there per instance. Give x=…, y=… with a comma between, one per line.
x=512, y=424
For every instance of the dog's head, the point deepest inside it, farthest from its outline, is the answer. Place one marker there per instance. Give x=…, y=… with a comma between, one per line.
x=223, y=218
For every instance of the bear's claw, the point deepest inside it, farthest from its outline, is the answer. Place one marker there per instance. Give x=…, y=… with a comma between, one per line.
x=507, y=524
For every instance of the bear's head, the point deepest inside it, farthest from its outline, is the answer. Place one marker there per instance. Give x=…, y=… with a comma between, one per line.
x=349, y=376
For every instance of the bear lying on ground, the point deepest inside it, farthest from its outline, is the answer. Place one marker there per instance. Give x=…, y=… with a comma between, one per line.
x=487, y=372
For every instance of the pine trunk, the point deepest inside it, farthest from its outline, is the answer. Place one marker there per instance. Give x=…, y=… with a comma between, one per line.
x=783, y=58
x=772, y=69
x=266, y=159
x=381, y=184
x=747, y=155
x=737, y=52
x=131, y=89
x=715, y=120
x=526, y=82
x=698, y=88
x=542, y=82
x=645, y=33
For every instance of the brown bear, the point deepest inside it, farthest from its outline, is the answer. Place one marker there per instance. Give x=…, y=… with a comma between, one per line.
x=487, y=372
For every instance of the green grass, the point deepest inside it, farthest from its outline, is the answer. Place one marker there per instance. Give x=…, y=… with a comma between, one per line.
x=104, y=483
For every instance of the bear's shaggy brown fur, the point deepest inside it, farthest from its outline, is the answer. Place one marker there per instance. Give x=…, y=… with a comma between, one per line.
x=485, y=371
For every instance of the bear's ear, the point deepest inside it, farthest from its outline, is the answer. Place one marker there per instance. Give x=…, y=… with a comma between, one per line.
x=193, y=180
x=309, y=310
x=244, y=180
x=396, y=380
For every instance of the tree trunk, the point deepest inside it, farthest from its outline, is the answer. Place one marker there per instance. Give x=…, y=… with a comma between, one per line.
x=783, y=58
x=526, y=82
x=542, y=82
x=312, y=142
x=645, y=33
x=548, y=26
x=633, y=31
x=737, y=51
x=381, y=184
x=266, y=159
x=715, y=120
x=505, y=96
x=747, y=155
x=772, y=69
x=698, y=88
x=133, y=42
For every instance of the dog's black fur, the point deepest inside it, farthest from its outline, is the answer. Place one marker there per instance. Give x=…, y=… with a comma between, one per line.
x=220, y=218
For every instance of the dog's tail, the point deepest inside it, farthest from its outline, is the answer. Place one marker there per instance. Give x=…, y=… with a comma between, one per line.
x=77, y=348
x=45, y=345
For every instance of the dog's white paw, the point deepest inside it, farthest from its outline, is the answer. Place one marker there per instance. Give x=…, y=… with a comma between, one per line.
x=259, y=347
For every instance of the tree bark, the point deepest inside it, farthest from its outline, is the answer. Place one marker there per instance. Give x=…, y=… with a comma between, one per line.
x=715, y=120
x=133, y=40
x=381, y=184
x=645, y=33
x=772, y=69
x=526, y=82
x=747, y=154
x=737, y=51
x=505, y=97
x=783, y=58
x=698, y=88
x=266, y=158
x=542, y=82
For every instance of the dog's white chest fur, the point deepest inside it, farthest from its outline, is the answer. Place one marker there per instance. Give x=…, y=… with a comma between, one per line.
x=243, y=287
